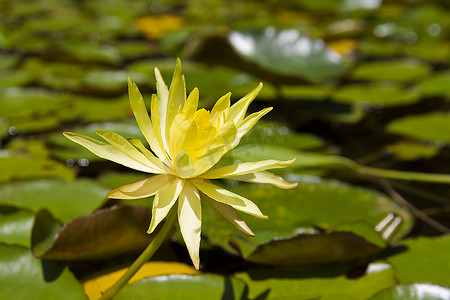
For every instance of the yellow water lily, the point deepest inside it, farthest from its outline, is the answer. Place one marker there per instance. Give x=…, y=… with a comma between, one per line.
x=186, y=144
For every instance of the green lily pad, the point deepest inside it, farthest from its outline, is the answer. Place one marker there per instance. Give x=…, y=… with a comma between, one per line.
x=19, y=167
x=15, y=102
x=288, y=52
x=9, y=78
x=436, y=85
x=77, y=51
x=375, y=95
x=314, y=203
x=43, y=280
x=97, y=109
x=428, y=127
x=15, y=225
x=110, y=82
x=35, y=124
x=272, y=133
x=180, y=287
x=316, y=283
x=65, y=200
x=306, y=92
x=7, y=61
x=424, y=259
x=397, y=70
x=409, y=150
x=94, y=236
x=417, y=291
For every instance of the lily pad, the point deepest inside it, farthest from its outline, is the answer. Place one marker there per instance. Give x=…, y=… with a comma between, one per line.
x=43, y=280
x=314, y=203
x=375, y=95
x=110, y=82
x=288, y=52
x=436, y=85
x=409, y=150
x=65, y=200
x=24, y=102
x=9, y=78
x=104, y=234
x=270, y=248
x=428, y=127
x=19, y=167
x=324, y=284
x=15, y=225
x=417, y=291
x=397, y=70
x=424, y=259
x=180, y=287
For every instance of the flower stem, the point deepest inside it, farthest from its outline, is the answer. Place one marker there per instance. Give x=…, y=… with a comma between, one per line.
x=143, y=258
x=403, y=175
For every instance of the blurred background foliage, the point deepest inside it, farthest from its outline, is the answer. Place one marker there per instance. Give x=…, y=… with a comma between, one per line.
x=360, y=88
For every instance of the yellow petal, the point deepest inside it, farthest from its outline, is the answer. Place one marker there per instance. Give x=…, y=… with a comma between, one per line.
x=163, y=202
x=245, y=168
x=149, y=155
x=156, y=121
x=184, y=165
x=224, y=196
x=219, y=112
x=245, y=125
x=190, y=219
x=162, y=101
x=230, y=214
x=142, y=118
x=124, y=146
x=141, y=189
x=191, y=103
x=182, y=135
x=108, y=151
x=177, y=97
x=265, y=177
x=237, y=111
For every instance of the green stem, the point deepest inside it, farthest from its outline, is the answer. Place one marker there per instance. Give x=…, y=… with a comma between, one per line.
x=143, y=258
x=403, y=175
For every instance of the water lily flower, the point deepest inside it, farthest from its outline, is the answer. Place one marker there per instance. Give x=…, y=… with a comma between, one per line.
x=186, y=143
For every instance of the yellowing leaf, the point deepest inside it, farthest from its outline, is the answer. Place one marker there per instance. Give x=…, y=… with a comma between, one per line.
x=344, y=47
x=94, y=287
x=154, y=27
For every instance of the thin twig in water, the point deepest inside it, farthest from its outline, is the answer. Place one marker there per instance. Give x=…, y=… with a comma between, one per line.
x=414, y=210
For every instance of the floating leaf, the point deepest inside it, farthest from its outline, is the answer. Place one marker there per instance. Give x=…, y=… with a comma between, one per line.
x=314, y=203
x=436, y=85
x=13, y=167
x=9, y=78
x=320, y=283
x=409, y=150
x=375, y=95
x=288, y=52
x=396, y=70
x=308, y=248
x=65, y=200
x=25, y=277
x=24, y=102
x=181, y=287
x=105, y=234
x=15, y=225
x=429, y=127
x=156, y=26
x=423, y=259
x=95, y=287
x=417, y=291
